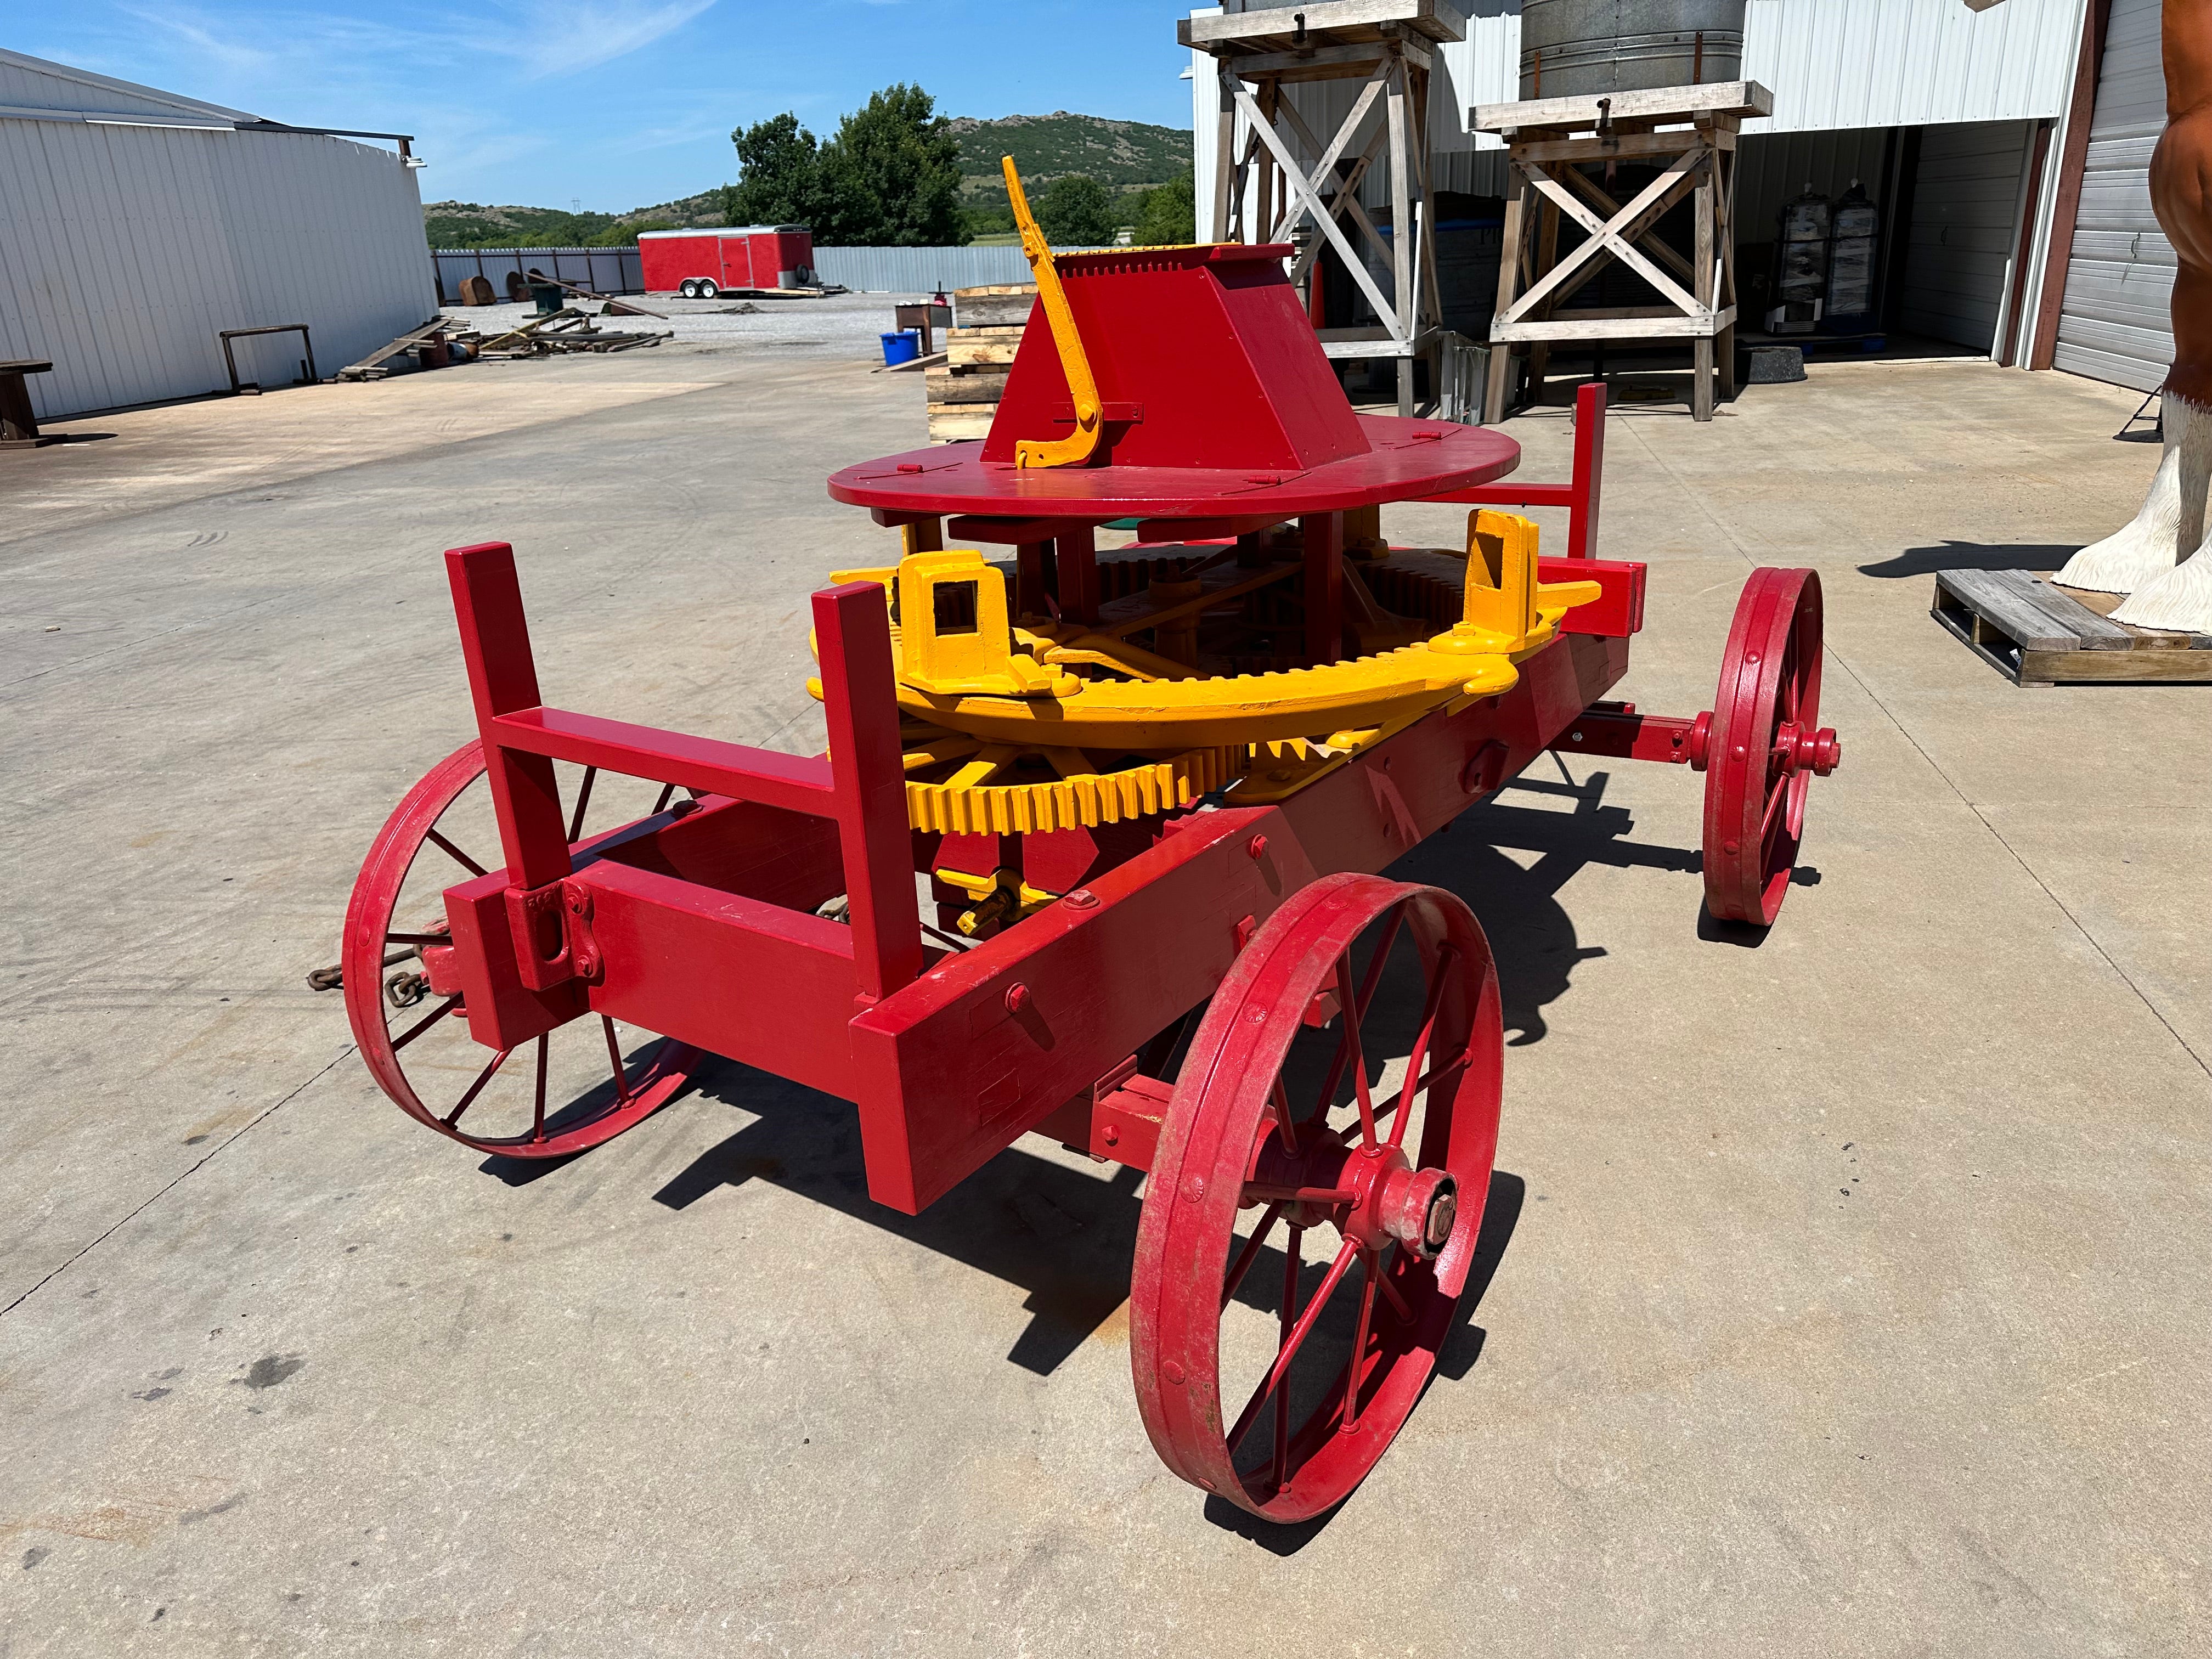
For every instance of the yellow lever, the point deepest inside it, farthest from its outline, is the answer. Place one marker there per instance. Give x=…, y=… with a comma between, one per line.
x=1076, y=448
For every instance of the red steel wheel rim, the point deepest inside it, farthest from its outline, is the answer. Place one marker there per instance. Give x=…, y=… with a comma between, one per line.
x=1764, y=714
x=383, y=1033
x=1222, y=1148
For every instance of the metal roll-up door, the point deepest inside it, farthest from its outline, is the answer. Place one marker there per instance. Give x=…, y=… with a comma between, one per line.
x=2115, y=323
x=1966, y=215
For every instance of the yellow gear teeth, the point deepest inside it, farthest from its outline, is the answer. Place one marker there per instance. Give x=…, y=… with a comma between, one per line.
x=1083, y=802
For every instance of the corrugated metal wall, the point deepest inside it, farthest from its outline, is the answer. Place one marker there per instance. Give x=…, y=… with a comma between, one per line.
x=1830, y=63
x=921, y=270
x=1965, y=218
x=2117, y=321
x=123, y=249
x=602, y=269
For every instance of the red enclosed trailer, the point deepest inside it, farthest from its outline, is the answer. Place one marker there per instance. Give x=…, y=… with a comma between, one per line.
x=701, y=263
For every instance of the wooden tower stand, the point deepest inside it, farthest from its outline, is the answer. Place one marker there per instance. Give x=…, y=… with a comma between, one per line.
x=1283, y=174
x=1690, y=133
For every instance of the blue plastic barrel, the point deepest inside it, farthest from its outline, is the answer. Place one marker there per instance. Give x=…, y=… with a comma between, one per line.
x=902, y=347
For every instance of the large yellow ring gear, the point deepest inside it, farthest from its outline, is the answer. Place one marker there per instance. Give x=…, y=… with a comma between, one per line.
x=987, y=698
x=984, y=788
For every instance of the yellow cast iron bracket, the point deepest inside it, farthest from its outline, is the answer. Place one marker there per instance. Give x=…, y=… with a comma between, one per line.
x=1078, y=445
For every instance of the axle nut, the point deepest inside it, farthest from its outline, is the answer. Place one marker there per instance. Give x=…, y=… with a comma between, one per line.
x=1017, y=998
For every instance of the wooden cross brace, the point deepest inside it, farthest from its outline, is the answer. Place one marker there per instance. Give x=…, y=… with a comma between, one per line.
x=1616, y=237
x=1304, y=188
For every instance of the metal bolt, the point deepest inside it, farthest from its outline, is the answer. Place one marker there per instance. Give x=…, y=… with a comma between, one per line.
x=1256, y=846
x=1083, y=898
x=1728, y=846
x=1195, y=1189
x=1577, y=737
x=1111, y=1135
x=1017, y=998
x=1171, y=1371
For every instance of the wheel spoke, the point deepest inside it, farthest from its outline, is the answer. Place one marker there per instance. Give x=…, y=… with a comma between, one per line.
x=1285, y=1120
x=1288, y=1316
x=1258, y=1192
x=414, y=938
x=1397, y=1298
x=537, y=1114
x=459, y=856
x=1358, y=1347
x=1291, y=1343
x=425, y=1022
x=1774, y=797
x=1446, y=959
x=1250, y=1253
x=615, y=1059
x=1352, y=1010
x=667, y=794
x=583, y=800
x=477, y=1088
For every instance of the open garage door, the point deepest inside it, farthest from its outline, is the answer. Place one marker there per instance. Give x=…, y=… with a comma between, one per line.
x=2115, y=322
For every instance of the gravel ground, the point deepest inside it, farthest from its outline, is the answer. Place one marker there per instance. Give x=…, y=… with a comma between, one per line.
x=841, y=325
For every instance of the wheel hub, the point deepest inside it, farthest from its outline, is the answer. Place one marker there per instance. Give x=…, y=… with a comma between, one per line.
x=1371, y=1194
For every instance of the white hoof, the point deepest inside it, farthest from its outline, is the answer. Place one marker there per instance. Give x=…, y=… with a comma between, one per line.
x=2180, y=601
x=2142, y=550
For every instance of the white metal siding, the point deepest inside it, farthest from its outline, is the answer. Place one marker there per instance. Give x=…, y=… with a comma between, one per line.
x=1966, y=222
x=1909, y=63
x=123, y=249
x=1830, y=63
x=2116, y=323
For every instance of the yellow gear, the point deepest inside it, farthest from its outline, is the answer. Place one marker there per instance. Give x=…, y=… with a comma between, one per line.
x=989, y=700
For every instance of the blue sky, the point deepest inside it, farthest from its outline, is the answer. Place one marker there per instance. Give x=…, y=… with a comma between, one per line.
x=552, y=102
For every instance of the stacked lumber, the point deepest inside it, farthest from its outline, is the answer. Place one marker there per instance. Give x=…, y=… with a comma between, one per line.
x=979, y=351
x=567, y=329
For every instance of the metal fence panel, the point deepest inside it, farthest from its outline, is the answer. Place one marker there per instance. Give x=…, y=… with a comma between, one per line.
x=602, y=269
x=922, y=270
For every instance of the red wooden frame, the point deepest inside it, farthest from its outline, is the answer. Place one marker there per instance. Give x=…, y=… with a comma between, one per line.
x=701, y=924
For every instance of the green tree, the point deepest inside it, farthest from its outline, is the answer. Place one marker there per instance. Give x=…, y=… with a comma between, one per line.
x=891, y=176
x=1167, y=216
x=1076, y=210
x=623, y=235
x=779, y=176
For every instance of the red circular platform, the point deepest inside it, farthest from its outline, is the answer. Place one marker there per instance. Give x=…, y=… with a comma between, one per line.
x=1406, y=461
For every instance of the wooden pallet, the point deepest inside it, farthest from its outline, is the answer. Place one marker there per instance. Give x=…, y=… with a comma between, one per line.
x=2036, y=632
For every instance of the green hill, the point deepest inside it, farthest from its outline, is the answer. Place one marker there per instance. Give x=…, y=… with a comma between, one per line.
x=1119, y=154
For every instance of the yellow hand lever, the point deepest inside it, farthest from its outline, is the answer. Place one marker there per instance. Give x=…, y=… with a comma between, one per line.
x=1077, y=448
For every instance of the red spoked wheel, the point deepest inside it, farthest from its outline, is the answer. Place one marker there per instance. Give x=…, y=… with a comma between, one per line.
x=1261, y=1385
x=399, y=1003
x=1762, y=745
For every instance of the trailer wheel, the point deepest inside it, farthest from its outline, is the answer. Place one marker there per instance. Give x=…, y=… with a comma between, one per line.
x=1762, y=745
x=1322, y=1361
x=520, y=1113
x=705, y=288
x=688, y=288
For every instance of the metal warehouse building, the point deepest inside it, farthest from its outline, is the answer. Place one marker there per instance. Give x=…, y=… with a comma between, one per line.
x=137, y=225
x=2008, y=149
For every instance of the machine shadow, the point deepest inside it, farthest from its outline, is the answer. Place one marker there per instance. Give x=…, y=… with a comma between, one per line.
x=1531, y=934
x=1971, y=555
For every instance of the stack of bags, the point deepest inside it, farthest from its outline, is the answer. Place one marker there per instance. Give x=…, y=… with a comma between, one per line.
x=979, y=351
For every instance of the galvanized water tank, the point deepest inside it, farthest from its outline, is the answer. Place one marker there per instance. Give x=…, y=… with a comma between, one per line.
x=1582, y=48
